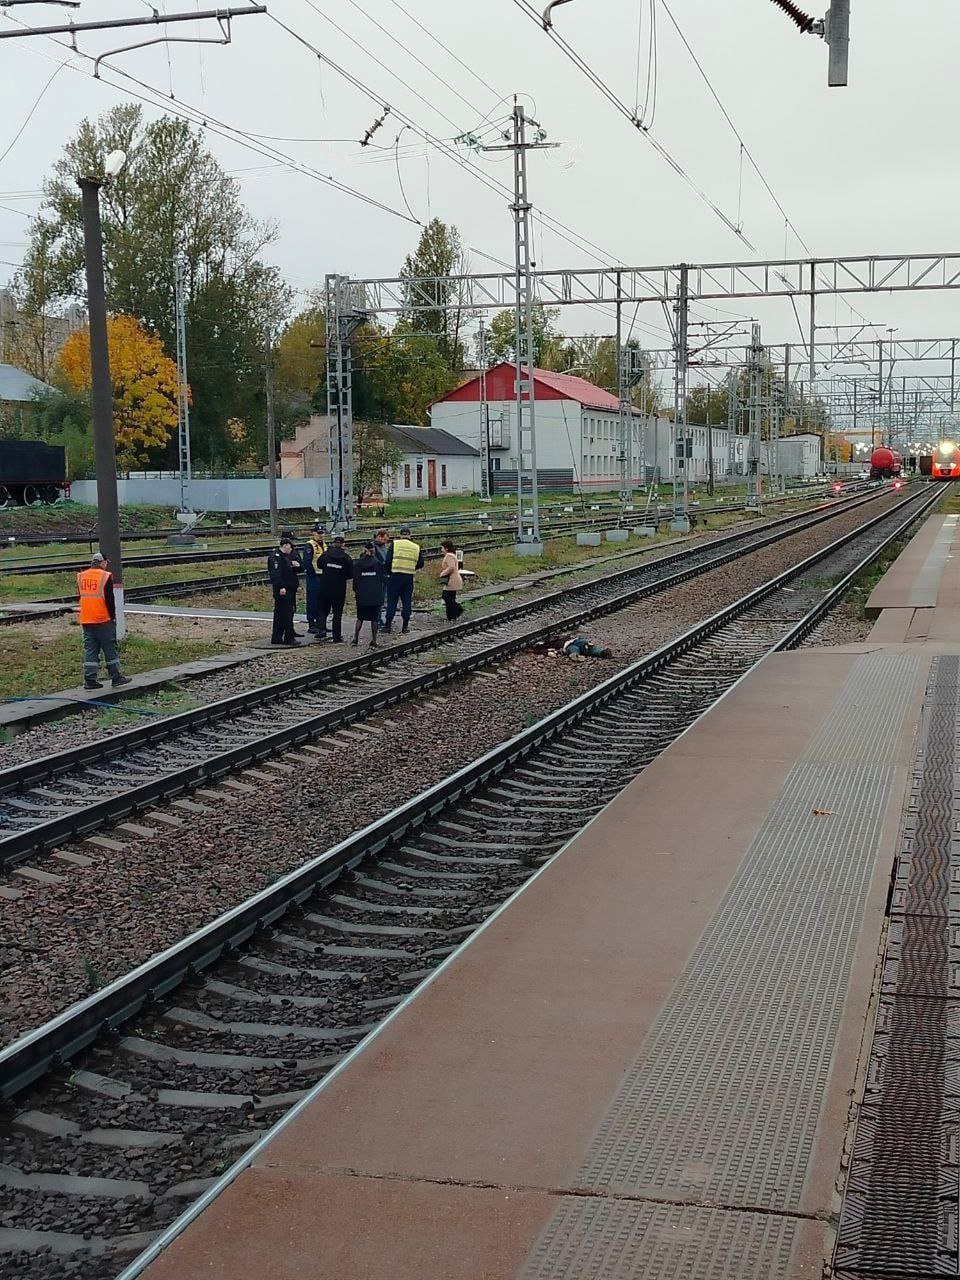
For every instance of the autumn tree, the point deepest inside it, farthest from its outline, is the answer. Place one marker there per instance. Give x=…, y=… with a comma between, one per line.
x=144, y=386
x=171, y=199
x=300, y=367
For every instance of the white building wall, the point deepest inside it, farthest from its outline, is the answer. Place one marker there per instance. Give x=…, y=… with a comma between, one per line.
x=410, y=478
x=569, y=437
x=213, y=495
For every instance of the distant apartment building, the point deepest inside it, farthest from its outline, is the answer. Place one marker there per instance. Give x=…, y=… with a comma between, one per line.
x=35, y=345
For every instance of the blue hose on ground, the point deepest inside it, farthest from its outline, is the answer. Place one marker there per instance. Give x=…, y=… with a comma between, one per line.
x=88, y=702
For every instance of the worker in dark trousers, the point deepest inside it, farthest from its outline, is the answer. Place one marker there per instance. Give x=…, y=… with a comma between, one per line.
x=404, y=558
x=368, y=590
x=381, y=549
x=283, y=565
x=310, y=555
x=336, y=571
x=98, y=619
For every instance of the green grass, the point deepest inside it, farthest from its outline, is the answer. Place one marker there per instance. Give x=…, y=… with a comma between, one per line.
x=165, y=702
x=33, y=667
x=41, y=586
x=74, y=517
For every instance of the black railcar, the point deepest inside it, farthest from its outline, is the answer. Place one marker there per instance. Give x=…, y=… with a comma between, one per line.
x=32, y=472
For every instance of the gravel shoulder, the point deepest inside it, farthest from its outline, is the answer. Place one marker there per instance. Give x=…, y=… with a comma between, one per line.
x=61, y=940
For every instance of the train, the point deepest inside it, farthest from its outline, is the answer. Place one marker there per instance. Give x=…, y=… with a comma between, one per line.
x=885, y=463
x=946, y=461
x=32, y=472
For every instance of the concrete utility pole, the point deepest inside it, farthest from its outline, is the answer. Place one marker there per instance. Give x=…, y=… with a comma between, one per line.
x=183, y=389
x=680, y=521
x=101, y=388
x=528, y=521
x=271, y=436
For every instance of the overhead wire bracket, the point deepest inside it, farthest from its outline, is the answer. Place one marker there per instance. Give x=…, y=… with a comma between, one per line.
x=222, y=22
x=548, y=13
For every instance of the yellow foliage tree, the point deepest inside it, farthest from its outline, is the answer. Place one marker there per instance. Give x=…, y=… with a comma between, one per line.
x=144, y=386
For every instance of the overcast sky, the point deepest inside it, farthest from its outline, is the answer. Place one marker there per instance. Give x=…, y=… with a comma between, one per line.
x=867, y=169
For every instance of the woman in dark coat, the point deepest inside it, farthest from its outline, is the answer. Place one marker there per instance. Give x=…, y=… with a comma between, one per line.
x=368, y=589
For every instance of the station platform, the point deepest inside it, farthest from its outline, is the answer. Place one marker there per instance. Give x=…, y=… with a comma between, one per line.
x=918, y=598
x=714, y=1038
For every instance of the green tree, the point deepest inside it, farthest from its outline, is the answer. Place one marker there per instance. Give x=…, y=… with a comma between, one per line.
x=439, y=256
x=547, y=343
x=373, y=453
x=301, y=364
x=398, y=374
x=171, y=199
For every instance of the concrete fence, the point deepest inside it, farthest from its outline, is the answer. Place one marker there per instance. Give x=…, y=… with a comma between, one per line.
x=213, y=495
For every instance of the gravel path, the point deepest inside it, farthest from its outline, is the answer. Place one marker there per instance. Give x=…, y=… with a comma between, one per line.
x=60, y=940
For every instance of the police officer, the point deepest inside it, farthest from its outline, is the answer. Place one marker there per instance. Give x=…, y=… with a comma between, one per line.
x=310, y=556
x=283, y=566
x=336, y=571
x=368, y=589
x=404, y=558
x=98, y=618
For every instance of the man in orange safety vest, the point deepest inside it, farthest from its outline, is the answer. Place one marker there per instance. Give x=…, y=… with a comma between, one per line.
x=98, y=618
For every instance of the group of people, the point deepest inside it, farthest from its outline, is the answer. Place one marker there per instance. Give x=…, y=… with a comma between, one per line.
x=382, y=577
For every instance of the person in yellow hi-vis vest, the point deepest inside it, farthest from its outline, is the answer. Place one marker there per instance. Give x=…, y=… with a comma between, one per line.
x=404, y=558
x=98, y=618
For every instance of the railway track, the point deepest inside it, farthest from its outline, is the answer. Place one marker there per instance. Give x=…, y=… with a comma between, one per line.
x=55, y=798
x=237, y=1022
x=557, y=524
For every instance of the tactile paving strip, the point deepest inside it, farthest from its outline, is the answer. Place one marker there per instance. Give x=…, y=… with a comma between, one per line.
x=622, y=1240
x=722, y=1105
x=734, y=1071
x=900, y=1211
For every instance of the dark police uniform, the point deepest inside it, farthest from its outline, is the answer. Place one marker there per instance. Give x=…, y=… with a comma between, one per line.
x=283, y=570
x=336, y=570
x=368, y=586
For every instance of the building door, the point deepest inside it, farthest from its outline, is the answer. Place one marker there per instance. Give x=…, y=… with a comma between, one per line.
x=431, y=477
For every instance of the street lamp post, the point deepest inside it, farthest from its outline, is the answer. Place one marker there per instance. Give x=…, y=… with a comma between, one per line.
x=104, y=445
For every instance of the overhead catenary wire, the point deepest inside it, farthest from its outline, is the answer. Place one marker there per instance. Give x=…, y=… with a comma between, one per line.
x=599, y=83
x=446, y=48
x=221, y=128
x=36, y=102
x=420, y=62
x=558, y=228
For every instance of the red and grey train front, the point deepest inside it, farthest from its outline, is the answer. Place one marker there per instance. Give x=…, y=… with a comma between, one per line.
x=946, y=461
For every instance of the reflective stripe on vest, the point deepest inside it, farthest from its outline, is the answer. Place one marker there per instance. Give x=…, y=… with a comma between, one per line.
x=405, y=556
x=92, y=590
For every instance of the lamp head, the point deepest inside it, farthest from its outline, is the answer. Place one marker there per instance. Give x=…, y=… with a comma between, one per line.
x=114, y=163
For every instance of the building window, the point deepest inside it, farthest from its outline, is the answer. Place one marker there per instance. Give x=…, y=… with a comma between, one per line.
x=443, y=475
x=495, y=463
x=419, y=475
x=406, y=476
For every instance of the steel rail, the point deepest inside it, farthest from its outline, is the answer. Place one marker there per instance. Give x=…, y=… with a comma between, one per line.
x=45, y=767
x=612, y=517
x=83, y=820
x=61, y=1038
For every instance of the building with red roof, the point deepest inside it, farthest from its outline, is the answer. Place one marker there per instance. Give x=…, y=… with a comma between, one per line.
x=577, y=430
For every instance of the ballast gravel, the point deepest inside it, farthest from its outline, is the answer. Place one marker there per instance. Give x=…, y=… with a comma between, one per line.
x=62, y=940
